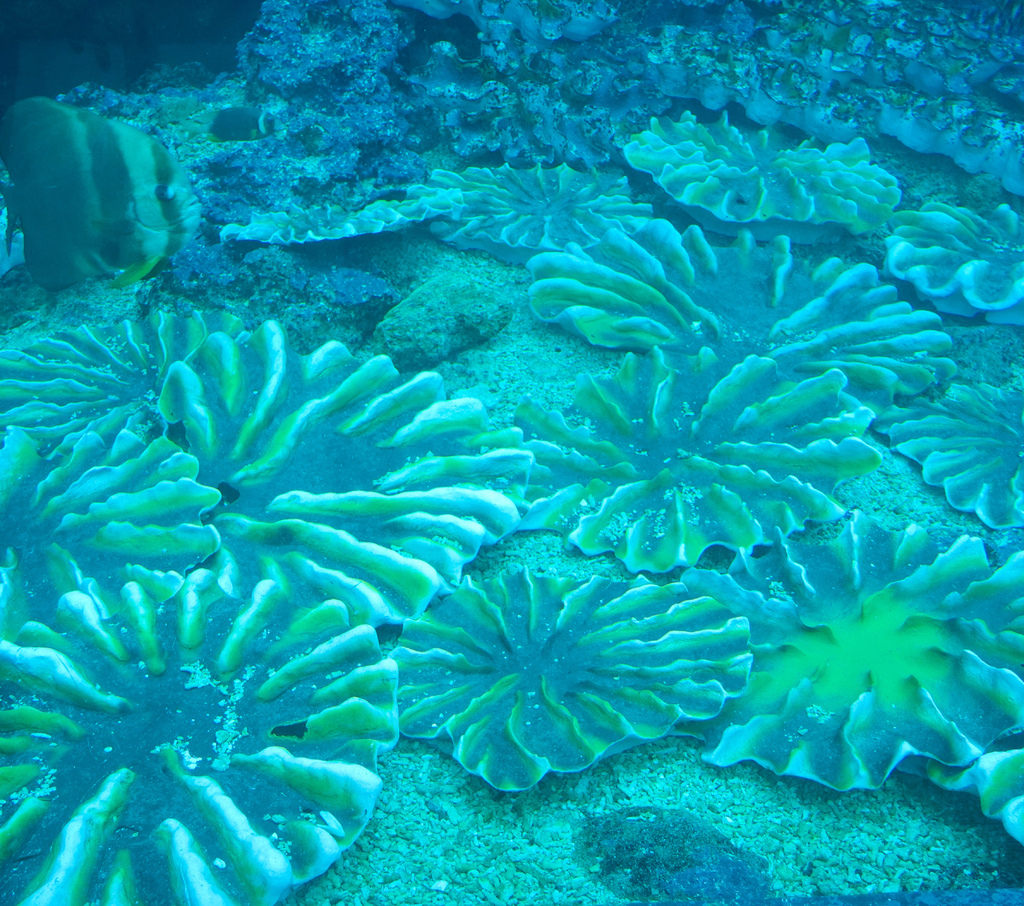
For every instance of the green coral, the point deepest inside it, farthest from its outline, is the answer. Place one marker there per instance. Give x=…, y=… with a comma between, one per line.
x=342, y=483
x=526, y=674
x=665, y=463
x=101, y=379
x=869, y=649
x=662, y=288
x=726, y=178
x=961, y=262
x=513, y=214
x=998, y=779
x=109, y=638
x=110, y=651
x=968, y=443
x=228, y=574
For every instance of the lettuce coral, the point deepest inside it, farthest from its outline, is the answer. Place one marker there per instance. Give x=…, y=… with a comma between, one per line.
x=664, y=462
x=100, y=380
x=969, y=443
x=110, y=664
x=867, y=649
x=197, y=613
x=526, y=674
x=961, y=262
x=726, y=179
x=513, y=214
x=662, y=288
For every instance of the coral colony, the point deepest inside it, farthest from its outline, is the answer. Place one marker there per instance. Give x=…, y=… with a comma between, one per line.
x=236, y=567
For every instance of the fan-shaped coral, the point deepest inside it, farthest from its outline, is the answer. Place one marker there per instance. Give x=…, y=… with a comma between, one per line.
x=668, y=462
x=726, y=179
x=110, y=666
x=526, y=674
x=970, y=444
x=513, y=214
x=998, y=779
x=660, y=288
x=868, y=649
x=227, y=582
x=353, y=489
x=960, y=262
x=102, y=380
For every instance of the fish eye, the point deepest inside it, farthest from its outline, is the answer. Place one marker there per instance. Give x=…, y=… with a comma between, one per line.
x=164, y=193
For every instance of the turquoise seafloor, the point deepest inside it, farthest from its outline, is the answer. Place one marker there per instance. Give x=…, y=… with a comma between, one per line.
x=612, y=833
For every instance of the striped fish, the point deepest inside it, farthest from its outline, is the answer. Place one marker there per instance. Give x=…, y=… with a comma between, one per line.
x=91, y=195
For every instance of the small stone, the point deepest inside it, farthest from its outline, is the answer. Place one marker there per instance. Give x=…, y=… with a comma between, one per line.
x=446, y=315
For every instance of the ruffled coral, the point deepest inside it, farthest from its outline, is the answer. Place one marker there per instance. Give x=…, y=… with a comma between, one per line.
x=668, y=462
x=868, y=649
x=969, y=443
x=526, y=674
x=962, y=263
x=109, y=661
x=513, y=214
x=662, y=288
x=726, y=179
x=100, y=380
x=342, y=484
x=298, y=226
x=317, y=495
x=998, y=779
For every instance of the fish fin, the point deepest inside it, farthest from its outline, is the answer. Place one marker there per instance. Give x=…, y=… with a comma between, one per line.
x=136, y=271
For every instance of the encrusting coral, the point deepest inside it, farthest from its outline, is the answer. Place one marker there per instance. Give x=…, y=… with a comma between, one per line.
x=727, y=179
x=539, y=23
x=526, y=674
